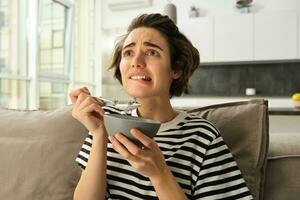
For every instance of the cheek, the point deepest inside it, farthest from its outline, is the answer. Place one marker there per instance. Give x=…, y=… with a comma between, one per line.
x=123, y=68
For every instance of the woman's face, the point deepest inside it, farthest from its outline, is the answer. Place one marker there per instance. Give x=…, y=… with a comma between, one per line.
x=146, y=65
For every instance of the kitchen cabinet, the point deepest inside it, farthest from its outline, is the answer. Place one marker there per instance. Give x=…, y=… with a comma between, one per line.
x=275, y=35
x=261, y=36
x=233, y=38
x=200, y=32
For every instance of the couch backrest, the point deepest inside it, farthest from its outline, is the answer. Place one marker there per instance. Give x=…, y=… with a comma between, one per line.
x=37, y=154
x=38, y=148
x=244, y=127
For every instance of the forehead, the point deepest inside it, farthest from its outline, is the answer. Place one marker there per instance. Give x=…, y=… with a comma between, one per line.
x=146, y=34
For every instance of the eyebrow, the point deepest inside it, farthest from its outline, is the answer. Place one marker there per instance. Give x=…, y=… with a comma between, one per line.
x=150, y=44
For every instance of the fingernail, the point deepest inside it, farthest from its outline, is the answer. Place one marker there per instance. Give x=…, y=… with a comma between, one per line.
x=131, y=131
x=83, y=89
x=99, y=100
x=86, y=89
x=134, y=130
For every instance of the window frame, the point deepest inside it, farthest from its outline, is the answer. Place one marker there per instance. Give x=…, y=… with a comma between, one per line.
x=68, y=63
x=29, y=13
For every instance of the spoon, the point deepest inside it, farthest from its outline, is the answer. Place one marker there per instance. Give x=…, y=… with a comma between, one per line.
x=127, y=105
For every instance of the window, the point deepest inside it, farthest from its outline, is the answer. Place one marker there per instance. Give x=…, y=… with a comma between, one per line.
x=52, y=95
x=39, y=67
x=13, y=78
x=54, y=67
x=52, y=36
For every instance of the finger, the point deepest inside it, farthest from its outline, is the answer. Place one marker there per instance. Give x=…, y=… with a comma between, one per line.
x=86, y=90
x=129, y=145
x=145, y=140
x=87, y=101
x=93, y=110
x=120, y=148
x=87, y=109
x=82, y=96
x=75, y=93
x=101, y=102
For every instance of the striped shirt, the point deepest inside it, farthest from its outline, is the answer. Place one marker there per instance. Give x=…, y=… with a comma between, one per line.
x=195, y=153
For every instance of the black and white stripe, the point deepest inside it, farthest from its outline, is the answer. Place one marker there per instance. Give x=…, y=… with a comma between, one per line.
x=196, y=154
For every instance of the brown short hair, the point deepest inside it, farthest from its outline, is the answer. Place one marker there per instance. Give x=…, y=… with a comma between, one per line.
x=184, y=56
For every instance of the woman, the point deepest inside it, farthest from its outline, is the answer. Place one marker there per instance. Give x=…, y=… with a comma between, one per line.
x=186, y=160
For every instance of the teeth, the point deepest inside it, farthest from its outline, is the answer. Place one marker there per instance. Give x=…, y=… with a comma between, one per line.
x=140, y=78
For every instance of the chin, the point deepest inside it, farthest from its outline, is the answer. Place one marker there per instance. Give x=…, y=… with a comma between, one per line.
x=140, y=93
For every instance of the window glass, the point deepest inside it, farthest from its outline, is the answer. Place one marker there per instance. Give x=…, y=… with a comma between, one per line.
x=52, y=36
x=14, y=94
x=4, y=37
x=9, y=39
x=15, y=83
x=52, y=95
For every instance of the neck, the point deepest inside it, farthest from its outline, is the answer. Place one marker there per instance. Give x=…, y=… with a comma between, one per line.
x=160, y=110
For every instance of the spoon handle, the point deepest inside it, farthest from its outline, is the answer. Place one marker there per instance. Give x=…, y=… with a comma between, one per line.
x=128, y=105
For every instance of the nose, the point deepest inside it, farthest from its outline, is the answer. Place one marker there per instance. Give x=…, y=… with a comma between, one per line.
x=138, y=60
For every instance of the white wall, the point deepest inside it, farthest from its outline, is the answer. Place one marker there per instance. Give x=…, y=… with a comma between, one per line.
x=115, y=22
x=113, y=19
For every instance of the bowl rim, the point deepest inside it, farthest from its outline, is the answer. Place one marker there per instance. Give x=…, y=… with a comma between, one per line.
x=131, y=118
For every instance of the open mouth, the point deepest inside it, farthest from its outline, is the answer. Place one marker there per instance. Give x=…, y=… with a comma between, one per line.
x=143, y=78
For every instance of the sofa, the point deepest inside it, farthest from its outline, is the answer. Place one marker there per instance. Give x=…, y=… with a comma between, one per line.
x=38, y=151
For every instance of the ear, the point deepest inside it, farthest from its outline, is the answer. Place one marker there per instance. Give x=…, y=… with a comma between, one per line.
x=177, y=72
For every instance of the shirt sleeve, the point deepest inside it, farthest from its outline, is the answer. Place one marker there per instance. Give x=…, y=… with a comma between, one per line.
x=219, y=175
x=83, y=155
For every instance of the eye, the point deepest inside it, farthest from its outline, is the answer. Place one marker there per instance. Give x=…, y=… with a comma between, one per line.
x=127, y=53
x=152, y=52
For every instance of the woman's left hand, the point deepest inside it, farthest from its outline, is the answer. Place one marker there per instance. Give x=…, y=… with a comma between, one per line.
x=148, y=160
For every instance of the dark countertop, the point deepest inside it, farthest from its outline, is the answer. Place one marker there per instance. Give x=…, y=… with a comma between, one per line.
x=284, y=111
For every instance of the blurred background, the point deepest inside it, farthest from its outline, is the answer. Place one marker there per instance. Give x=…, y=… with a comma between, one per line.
x=48, y=47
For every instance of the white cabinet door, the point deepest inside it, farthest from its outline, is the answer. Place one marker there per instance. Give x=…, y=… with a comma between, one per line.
x=233, y=36
x=200, y=32
x=275, y=35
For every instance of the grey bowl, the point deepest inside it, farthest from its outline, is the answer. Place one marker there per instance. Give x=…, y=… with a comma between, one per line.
x=117, y=123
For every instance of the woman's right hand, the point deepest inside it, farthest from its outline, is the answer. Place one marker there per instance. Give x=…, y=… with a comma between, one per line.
x=87, y=109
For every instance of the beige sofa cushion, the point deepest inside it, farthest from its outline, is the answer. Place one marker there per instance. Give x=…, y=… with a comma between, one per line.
x=37, y=153
x=38, y=148
x=283, y=173
x=244, y=127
